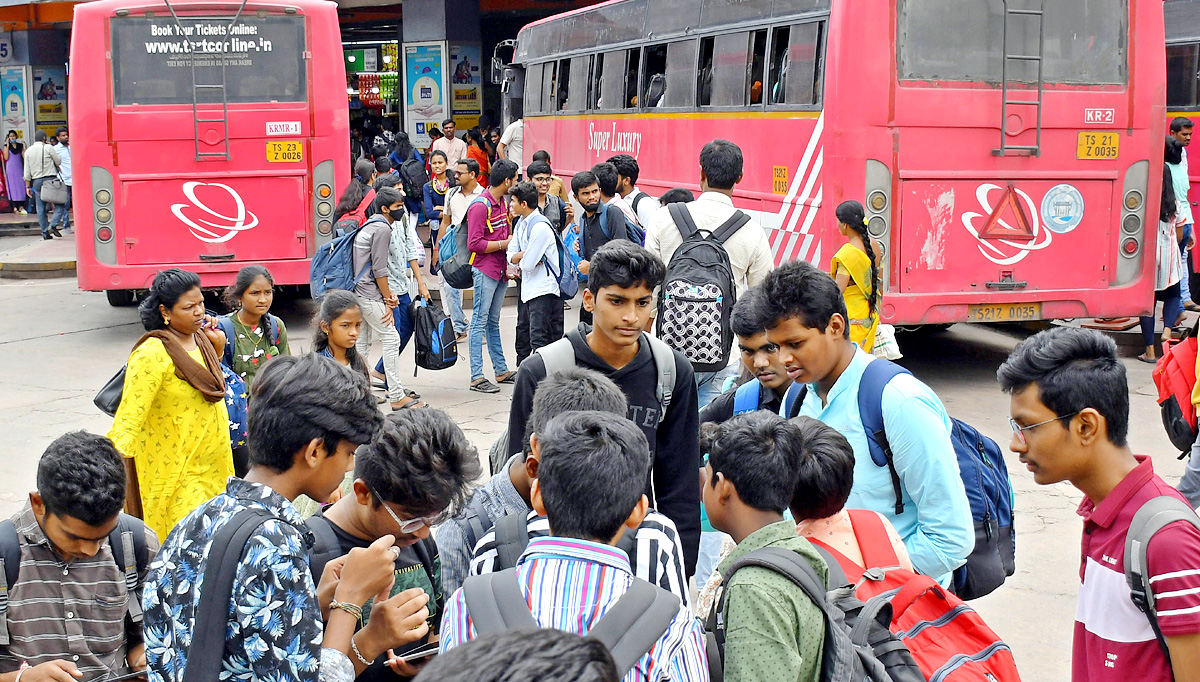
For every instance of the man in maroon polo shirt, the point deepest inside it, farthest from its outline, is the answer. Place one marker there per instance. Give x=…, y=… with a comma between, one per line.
x=1070, y=416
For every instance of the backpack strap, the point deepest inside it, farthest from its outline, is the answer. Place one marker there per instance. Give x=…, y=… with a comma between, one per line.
x=212, y=613
x=664, y=360
x=475, y=530
x=728, y=228
x=636, y=200
x=128, y=544
x=747, y=397
x=272, y=324
x=852, y=570
x=635, y=623
x=682, y=218
x=1152, y=517
x=325, y=547
x=496, y=604
x=512, y=537
x=10, y=567
x=604, y=221
x=870, y=409
x=873, y=541
x=557, y=356
x=225, y=324
x=793, y=400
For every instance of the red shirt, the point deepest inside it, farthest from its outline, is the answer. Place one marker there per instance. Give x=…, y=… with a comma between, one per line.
x=1113, y=639
x=487, y=221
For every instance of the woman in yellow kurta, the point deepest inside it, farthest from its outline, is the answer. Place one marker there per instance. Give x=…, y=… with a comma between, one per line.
x=172, y=423
x=856, y=270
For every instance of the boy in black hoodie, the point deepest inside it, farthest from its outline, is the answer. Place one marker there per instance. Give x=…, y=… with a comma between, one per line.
x=620, y=295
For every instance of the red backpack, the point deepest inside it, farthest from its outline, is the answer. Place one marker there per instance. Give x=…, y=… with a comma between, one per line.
x=1175, y=377
x=354, y=219
x=948, y=639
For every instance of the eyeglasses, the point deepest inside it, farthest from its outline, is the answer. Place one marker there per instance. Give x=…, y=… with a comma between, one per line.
x=1019, y=431
x=542, y=180
x=411, y=525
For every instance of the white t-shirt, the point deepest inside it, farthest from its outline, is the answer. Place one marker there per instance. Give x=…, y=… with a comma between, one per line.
x=513, y=141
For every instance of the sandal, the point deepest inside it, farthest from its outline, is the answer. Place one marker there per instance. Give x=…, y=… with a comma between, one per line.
x=508, y=377
x=1143, y=358
x=407, y=404
x=412, y=394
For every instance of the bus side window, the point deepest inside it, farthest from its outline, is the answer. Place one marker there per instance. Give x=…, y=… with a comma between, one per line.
x=779, y=54
x=758, y=58
x=562, y=85
x=612, y=83
x=596, y=91
x=704, y=73
x=729, y=70
x=680, y=74
x=654, y=78
x=631, y=78
x=796, y=57
x=577, y=84
x=550, y=88
x=533, y=89
x=1183, y=64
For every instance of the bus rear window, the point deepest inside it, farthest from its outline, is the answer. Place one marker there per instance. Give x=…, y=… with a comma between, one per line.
x=263, y=59
x=1085, y=41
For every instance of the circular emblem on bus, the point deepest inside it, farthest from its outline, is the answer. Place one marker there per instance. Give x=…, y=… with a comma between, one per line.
x=1062, y=209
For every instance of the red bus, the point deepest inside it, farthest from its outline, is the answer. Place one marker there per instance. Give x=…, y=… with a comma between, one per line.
x=205, y=135
x=1003, y=151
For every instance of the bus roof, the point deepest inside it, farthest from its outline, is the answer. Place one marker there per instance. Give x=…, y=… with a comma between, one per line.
x=621, y=21
x=105, y=7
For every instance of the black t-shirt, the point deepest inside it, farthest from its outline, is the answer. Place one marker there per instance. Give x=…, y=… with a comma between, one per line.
x=594, y=237
x=417, y=566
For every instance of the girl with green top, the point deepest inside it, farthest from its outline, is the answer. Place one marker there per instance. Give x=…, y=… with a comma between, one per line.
x=255, y=335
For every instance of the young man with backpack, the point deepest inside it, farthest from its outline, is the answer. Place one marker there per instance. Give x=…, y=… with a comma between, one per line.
x=534, y=250
x=657, y=381
x=644, y=206
x=1139, y=598
x=708, y=244
x=555, y=209
x=599, y=224
x=607, y=178
x=458, y=198
x=231, y=588
x=418, y=468
x=653, y=548
x=73, y=567
x=488, y=235
x=773, y=630
x=590, y=487
x=924, y=499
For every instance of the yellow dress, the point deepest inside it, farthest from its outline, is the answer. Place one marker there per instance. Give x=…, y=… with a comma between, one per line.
x=854, y=262
x=178, y=440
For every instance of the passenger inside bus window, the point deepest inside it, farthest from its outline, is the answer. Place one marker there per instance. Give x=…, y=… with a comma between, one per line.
x=779, y=55
x=655, y=75
x=596, y=97
x=705, y=74
x=564, y=82
x=631, y=78
x=758, y=58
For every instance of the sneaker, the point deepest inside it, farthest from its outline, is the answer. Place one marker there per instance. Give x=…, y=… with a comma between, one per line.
x=484, y=386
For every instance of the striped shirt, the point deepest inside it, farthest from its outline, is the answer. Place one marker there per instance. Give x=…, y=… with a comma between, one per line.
x=657, y=556
x=67, y=610
x=569, y=585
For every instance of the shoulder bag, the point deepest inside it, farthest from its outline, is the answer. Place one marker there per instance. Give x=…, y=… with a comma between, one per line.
x=54, y=190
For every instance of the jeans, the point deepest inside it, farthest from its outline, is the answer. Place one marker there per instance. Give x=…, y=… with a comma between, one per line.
x=1172, y=306
x=452, y=298
x=1189, y=484
x=42, y=207
x=710, y=384
x=544, y=321
x=485, y=318
x=373, y=325
x=62, y=213
x=404, y=327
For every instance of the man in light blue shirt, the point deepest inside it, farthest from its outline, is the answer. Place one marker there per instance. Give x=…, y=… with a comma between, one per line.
x=806, y=319
x=62, y=212
x=535, y=251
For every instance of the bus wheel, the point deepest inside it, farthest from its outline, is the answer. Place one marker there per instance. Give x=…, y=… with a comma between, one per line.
x=119, y=297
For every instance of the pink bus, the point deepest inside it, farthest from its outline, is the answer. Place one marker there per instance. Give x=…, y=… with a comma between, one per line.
x=1004, y=151
x=205, y=135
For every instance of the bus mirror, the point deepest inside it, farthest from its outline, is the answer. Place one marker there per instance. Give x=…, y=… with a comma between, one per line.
x=499, y=62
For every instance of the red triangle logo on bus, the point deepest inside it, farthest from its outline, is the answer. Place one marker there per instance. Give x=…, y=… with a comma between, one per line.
x=1016, y=224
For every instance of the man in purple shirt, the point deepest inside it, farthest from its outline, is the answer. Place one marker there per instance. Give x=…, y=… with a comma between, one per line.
x=488, y=234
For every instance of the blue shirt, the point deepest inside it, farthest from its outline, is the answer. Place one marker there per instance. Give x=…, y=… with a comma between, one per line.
x=936, y=524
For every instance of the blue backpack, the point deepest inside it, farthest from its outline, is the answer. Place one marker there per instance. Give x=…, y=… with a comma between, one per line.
x=567, y=270
x=981, y=467
x=433, y=334
x=333, y=265
x=747, y=397
x=573, y=241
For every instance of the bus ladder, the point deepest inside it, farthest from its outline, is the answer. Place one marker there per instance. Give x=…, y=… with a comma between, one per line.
x=1015, y=14
x=222, y=120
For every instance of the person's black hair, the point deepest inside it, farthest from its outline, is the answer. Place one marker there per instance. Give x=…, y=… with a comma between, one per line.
x=166, y=289
x=434, y=133
x=81, y=475
x=526, y=193
x=721, y=161
x=421, y=460
x=11, y=132
x=537, y=168
x=60, y=131
x=798, y=289
x=626, y=166
x=1074, y=369
x=759, y=452
x=677, y=195
x=573, y=389
x=245, y=277
x=1172, y=151
x=592, y=474
x=298, y=398
x=852, y=215
x=471, y=164
x=438, y=152
x=1179, y=123
x=403, y=148
x=502, y=171
x=746, y=316
x=626, y=265
x=382, y=164
x=334, y=304
x=448, y=122
x=541, y=155
x=356, y=189
x=386, y=196
x=39, y=135
x=826, y=471
x=475, y=135
x=582, y=180
x=606, y=176
x=543, y=654
x=386, y=180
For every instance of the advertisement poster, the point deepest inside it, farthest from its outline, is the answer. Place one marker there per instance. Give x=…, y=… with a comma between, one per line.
x=466, y=78
x=50, y=95
x=16, y=116
x=424, y=104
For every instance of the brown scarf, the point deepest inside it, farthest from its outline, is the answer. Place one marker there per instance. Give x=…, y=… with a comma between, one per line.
x=206, y=378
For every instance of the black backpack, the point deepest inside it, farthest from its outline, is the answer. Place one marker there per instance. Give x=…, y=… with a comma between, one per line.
x=698, y=293
x=413, y=177
x=433, y=334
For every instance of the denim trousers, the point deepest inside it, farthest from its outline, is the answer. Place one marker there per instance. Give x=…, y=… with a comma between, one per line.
x=709, y=385
x=1172, y=306
x=42, y=207
x=62, y=213
x=485, y=319
x=452, y=301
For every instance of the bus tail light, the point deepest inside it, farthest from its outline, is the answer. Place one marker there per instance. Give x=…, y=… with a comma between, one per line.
x=1133, y=222
x=103, y=243
x=877, y=200
x=323, y=181
x=879, y=220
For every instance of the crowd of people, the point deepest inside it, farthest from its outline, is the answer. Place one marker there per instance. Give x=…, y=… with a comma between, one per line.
x=646, y=463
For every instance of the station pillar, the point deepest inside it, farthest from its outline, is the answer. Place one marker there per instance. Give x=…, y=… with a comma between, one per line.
x=442, y=66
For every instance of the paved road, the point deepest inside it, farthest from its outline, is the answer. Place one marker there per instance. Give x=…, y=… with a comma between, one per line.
x=59, y=345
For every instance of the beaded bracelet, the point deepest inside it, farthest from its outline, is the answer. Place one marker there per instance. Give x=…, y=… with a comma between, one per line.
x=358, y=654
x=352, y=609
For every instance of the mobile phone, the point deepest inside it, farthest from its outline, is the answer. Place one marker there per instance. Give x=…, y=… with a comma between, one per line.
x=127, y=676
x=420, y=652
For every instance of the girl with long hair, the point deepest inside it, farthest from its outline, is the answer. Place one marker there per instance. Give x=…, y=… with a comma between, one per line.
x=358, y=194
x=257, y=336
x=338, y=324
x=476, y=150
x=855, y=267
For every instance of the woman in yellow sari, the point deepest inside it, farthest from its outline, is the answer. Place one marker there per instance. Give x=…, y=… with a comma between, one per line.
x=855, y=268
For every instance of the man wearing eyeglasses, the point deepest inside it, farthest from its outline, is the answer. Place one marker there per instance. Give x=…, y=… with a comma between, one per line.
x=414, y=472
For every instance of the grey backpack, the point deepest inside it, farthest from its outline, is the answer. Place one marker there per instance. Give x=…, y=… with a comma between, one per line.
x=1152, y=517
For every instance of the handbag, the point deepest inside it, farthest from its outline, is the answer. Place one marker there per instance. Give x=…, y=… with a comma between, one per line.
x=108, y=399
x=54, y=190
x=886, y=346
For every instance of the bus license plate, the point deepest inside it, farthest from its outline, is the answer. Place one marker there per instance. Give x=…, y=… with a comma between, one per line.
x=1097, y=145
x=1005, y=312
x=285, y=151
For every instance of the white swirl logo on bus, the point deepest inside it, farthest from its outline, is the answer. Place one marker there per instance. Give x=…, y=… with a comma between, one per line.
x=204, y=228
x=1006, y=251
